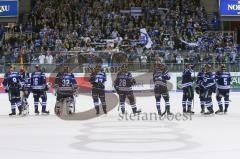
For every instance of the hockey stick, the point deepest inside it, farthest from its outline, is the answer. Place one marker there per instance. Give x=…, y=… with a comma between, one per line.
x=74, y=104
x=194, y=85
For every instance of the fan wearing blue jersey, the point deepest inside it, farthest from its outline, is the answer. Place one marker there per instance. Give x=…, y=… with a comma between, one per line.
x=12, y=85
x=223, y=81
x=39, y=89
x=97, y=79
x=187, y=86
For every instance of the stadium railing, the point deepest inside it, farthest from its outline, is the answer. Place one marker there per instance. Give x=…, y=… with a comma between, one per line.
x=134, y=67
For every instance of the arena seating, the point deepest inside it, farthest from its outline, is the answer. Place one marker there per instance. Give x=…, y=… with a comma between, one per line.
x=60, y=27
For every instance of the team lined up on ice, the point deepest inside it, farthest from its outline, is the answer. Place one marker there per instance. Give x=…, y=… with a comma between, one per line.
x=19, y=86
x=207, y=83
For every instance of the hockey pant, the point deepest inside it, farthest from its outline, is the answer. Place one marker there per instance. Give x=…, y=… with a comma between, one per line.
x=15, y=100
x=122, y=98
x=37, y=94
x=208, y=98
x=223, y=93
x=188, y=95
x=24, y=96
x=69, y=99
x=96, y=95
x=158, y=95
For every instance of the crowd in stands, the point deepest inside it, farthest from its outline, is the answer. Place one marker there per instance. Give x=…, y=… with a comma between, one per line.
x=57, y=29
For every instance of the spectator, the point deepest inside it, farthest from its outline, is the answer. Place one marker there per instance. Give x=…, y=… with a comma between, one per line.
x=179, y=59
x=65, y=26
x=41, y=59
x=49, y=58
x=143, y=61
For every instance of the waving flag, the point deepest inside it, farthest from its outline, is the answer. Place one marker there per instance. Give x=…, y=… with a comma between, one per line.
x=191, y=44
x=145, y=38
x=136, y=11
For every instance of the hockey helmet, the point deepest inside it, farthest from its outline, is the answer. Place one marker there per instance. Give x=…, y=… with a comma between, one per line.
x=65, y=68
x=98, y=68
x=124, y=67
x=223, y=67
x=208, y=67
x=38, y=68
x=160, y=66
x=12, y=68
x=187, y=65
x=203, y=68
x=22, y=70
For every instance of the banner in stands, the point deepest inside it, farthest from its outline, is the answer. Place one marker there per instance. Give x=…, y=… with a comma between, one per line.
x=9, y=8
x=229, y=7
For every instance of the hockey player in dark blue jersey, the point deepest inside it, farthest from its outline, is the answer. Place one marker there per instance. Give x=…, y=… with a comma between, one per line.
x=39, y=89
x=66, y=87
x=26, y=89
x=97, y=79
x=160, y=78
x=199, y=88
x=223, y=81
x=12, y=85
x=123, y=85
x=209, y=86
x=187, y=86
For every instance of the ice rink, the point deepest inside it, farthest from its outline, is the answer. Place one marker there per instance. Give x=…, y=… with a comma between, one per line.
x=108, y=137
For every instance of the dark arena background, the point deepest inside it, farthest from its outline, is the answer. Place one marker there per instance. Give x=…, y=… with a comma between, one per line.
x=112, y=79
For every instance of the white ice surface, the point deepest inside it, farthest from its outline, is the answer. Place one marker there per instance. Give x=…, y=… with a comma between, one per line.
x=48, y=137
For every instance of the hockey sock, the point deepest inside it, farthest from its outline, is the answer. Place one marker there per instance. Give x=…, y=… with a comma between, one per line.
x=96, y=105
x=122, y=107
x=13, y=106
x=44, y=105
x=167, y=106
x=189, y=104
x=220, y=105
x=14, y=111
x=210, y=106
x=36, y=105
x=104, y=107
x=202, y=105
x=158, y=103
x=184, y=104
x=20, y=110
x=226, y=105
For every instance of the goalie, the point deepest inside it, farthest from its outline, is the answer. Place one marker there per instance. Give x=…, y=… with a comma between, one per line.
x=66, y=87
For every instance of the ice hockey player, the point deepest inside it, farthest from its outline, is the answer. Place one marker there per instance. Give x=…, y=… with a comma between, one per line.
x=209, y=86
x=187, y=86
x=223, y=80
x=160, y=78
x=97, y=79
x=199, y=88
x=123, y=85
x=66, y=87
x=39, y=89
x=12, y=85
x=26, y=89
